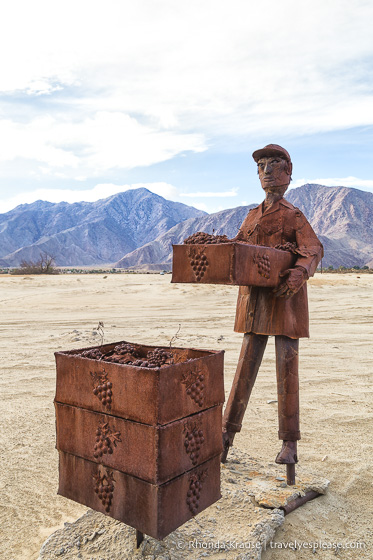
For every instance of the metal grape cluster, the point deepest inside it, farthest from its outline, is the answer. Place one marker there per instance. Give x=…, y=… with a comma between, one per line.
x=199, y=263
x=264, y=266
x=194, y=439
x=93, y=354
x=102, y=388
x=104, y=488
x=202, y=238
x=194, y=491
x=106, y=440
x=126, y=353
x=194, y=382
x=288, y=246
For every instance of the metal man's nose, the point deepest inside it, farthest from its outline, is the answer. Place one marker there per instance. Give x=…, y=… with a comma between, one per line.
x=267, y=167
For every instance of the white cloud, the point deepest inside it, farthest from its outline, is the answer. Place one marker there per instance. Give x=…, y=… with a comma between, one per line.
x=104, y=141
x=133, y=83
x=88, y=89
x=354, y=182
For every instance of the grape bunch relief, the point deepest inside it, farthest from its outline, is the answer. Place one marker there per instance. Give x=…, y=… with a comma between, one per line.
x=194, y=490
x=106, y=440
x=194, y=439
x=104, y=488
x=202, y=238
x=102, y=388
x=194, y=382
x=198, y=262
x=264, y=265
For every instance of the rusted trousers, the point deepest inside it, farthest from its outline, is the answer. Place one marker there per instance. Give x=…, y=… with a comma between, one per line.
x=251, y=355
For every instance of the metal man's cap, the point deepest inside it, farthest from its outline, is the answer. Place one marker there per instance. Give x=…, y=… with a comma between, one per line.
x=271, y=150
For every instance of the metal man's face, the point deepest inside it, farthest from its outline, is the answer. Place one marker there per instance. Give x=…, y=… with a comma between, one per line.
x=273, y=172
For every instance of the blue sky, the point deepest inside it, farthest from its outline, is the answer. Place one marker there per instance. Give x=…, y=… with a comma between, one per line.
x=97, y=98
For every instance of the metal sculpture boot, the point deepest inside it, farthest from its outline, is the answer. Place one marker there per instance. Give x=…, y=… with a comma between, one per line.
x=288, y=453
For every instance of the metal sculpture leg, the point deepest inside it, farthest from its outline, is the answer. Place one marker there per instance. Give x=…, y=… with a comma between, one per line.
x=288, y=401
x=251, y=355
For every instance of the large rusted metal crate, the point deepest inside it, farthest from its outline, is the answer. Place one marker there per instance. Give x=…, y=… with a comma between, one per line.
x=141, y=445
x=152, y=509
x=239, y=264
x=153, y=453
x=150, y=396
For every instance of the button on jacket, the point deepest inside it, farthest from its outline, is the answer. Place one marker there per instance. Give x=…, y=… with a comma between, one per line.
x=258, y=309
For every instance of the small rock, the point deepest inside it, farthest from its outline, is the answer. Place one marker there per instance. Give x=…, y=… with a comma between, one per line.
x=283, y=485
x=270, y=402
x=280, y=478
x=232, y=480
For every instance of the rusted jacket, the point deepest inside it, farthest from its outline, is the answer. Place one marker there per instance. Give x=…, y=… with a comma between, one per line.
x=258, y=309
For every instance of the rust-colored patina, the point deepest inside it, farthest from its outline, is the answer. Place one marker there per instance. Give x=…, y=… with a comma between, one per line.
x=153, y=453
x=151, y=396
x=282, y=312
x=237, y=264
x=155, y=510
x=272, y=297
x=140, y=444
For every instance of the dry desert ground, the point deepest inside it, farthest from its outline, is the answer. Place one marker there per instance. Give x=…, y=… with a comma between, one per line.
x=40, y=315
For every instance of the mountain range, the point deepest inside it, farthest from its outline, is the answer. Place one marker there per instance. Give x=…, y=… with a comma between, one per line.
x=136, y=228
x=88, y=233
x=342, y=218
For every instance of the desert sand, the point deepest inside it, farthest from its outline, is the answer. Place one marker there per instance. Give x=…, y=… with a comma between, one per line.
x=40, y=315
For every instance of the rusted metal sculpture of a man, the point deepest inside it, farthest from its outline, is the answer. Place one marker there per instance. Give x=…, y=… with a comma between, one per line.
x=282, y=312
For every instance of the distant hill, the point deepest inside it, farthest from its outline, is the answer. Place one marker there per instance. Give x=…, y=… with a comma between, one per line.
x=159, y=251
x=342, y=217
x=86, y=233
x=136, y=228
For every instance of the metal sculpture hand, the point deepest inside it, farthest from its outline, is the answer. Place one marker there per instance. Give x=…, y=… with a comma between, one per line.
x=295, y=278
